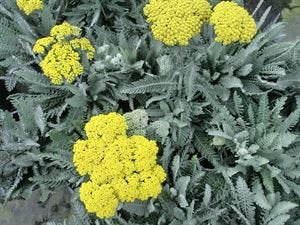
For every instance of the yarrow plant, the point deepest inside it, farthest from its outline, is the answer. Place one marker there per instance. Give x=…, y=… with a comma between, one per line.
x=63, y=59
x=29, y=6
x=232, y=23
x=121, y=168
x=176, y=21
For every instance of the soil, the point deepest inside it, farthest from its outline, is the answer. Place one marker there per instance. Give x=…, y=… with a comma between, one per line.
x=30, y=212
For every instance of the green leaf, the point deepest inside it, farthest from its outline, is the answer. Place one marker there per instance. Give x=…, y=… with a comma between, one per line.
x=175, y=166
x=207, y=195
x=260, y=198
x=139, y=208
x=231, y=82
x=279, y=211
x=190, y=80
x=263, y=110
x=181, y=186
x=40, y=119
x=290, y=80
x=77, y=101
x=279, y=220
x=245, y=70
x=149, y=85
x=290, y=121
x=245, y=199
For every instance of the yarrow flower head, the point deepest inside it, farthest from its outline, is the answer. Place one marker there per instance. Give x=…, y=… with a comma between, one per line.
x=62, y=61
x=121, y=168
x=232, y=23
x=28, y=6
x=176, y=21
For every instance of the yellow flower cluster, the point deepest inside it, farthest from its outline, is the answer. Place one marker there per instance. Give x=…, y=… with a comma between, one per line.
x=64, y=30
x=121, y=168
x=28, y=6
x=232, y=23
x=63, y=58
x=176, y=21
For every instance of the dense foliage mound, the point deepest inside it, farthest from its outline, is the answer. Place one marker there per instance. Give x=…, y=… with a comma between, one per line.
x=151, y=112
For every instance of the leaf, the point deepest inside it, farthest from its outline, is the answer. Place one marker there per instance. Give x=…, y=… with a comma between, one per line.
x=47, y=20
x=267, y=180
x=208, y=91
x=245, y=199
x=4, y=158
x=263, y=18
x=278, y=210
x=175, y=166
x=293, y=173
x=207, y=195
x=251, y=88
x=149, y=85
x=260, y=198
x=179, y=214
x=24, y=161
x=290, y=121
x=241, y=215
x=263, y=110
x=245, y=70
x=23, y=25
x=190, y=80
x=280, y=220
x=238, y=104
x=231, y=82
x=10, y=83
x=286, y=139
x=40, y=119
x=282, y=181
x=290, y=80
x=77, y=101
x=181, y=186
x=79, y=213
x=139, y=208
x=278, y=106
x=217, y=133
x=205, y=149
x=155, y=99
x=175, y=222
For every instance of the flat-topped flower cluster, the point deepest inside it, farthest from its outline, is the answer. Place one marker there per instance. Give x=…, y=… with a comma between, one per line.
x=29, y=6
x=232, y=23
x=121, y=168
x=63, y=59
x=177, y=21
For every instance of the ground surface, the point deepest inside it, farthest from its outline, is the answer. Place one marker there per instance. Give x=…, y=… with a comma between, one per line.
x=20, y=212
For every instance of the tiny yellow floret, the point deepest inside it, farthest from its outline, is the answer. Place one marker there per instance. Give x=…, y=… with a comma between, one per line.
x=28, y=6
x=121, y=168
x=62, y=62
x=176, y=21
x=232, y=23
